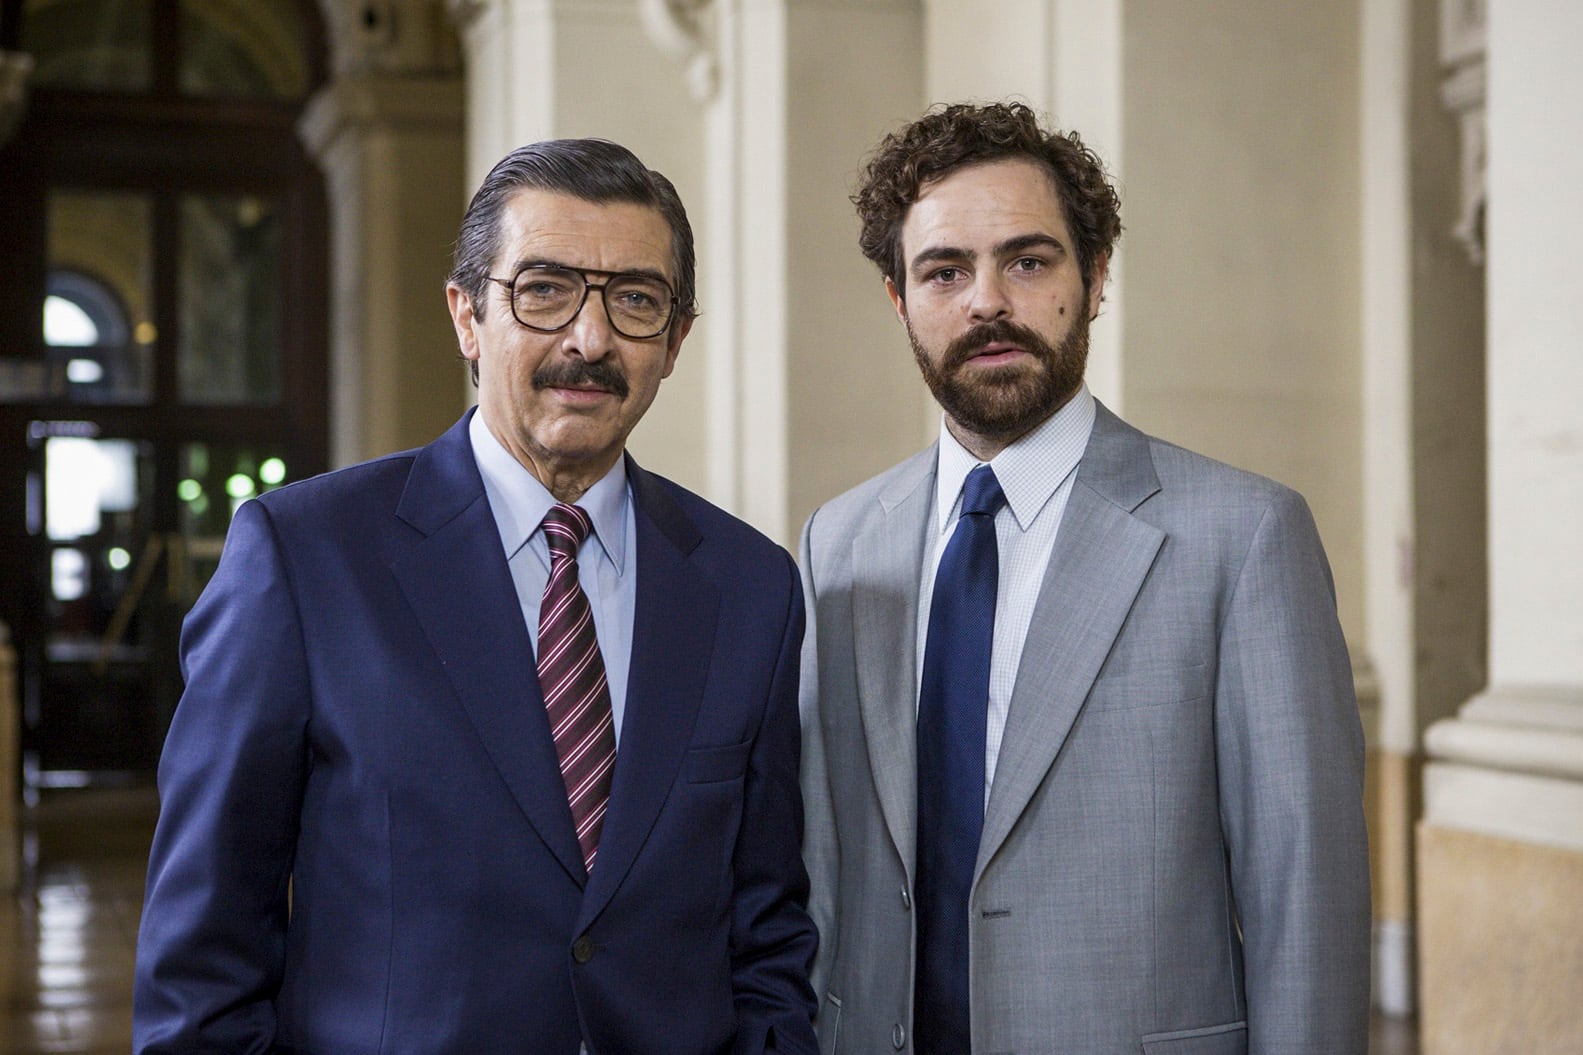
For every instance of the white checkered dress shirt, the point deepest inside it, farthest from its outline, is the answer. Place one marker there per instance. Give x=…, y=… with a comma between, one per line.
x=1036, y=473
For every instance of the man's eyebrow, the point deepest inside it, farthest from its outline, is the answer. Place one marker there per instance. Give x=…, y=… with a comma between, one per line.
x=1010, y=247
x=1023, y=242
x=545, y=261
x=939, y=254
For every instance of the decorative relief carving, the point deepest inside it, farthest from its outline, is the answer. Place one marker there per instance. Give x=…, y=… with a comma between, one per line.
x=685, y=29
x=1463, y=38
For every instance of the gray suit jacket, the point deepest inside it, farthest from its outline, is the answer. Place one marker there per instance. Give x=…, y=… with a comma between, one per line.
x=1173, y=857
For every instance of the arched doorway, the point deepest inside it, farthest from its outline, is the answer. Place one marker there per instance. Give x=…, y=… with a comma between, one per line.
x=162, y=343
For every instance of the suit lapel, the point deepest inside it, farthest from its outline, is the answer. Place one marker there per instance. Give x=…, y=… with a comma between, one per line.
x=460, y=589
x=1101, y=557
x=887, y=566
x=673, y=635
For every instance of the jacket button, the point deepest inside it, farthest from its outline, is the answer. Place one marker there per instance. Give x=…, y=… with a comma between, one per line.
x=906, y=900
x=898, y=1037
x=583, y=949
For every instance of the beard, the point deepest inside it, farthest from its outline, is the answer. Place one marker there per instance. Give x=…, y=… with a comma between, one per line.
x=1006, y=402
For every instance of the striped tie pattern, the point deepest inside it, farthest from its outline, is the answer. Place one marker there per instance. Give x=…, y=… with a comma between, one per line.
x=572, y=678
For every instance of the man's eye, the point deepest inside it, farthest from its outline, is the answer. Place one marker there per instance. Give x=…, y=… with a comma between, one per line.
x=1027, y=264
x=946, y=274
x=638, y=300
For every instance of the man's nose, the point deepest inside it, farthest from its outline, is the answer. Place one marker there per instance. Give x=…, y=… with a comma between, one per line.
x=591, y=335
x=988, y=300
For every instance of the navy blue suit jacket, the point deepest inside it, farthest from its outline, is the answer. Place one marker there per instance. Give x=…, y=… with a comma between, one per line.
x=364, y=843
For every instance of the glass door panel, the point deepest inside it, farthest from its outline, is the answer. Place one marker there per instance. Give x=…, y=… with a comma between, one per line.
x=230, y=341
x=102, y=45
x=215, y=478
x=106, y=615
x=98, y=313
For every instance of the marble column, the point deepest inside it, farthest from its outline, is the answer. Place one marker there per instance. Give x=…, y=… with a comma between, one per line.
x=386, y=131
x=1500, y=848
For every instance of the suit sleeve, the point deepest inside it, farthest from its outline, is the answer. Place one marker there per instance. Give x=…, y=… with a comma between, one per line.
x=1290, y=748
x=772, y=939
x=212, y=941
x=821, y=851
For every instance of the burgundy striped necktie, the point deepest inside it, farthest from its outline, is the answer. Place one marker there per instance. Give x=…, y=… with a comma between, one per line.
x=572, y=678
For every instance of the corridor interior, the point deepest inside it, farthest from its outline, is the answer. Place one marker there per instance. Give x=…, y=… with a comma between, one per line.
x=67, y=935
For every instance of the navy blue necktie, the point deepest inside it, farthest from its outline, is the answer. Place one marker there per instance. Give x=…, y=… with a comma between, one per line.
x=953, y=701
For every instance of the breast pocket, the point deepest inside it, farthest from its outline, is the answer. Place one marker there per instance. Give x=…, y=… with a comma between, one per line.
x=713, y=765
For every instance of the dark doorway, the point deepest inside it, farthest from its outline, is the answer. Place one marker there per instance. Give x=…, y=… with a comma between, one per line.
x=163, y=324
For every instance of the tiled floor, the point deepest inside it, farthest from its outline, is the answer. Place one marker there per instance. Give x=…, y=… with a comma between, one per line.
x=67, y=937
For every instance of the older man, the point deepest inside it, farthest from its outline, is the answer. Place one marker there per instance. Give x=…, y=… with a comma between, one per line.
x=492, y=746
x=1082, y=759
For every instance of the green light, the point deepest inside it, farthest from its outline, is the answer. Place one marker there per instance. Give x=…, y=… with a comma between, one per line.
x=118, y=558
x=189, y=490
x=272, y=472
x=239, y=486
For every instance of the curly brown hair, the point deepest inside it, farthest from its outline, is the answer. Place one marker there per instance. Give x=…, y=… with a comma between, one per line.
x=952, y=137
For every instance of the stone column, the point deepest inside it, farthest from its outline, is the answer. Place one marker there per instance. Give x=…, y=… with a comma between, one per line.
x=387, y=132
x=1501, y=844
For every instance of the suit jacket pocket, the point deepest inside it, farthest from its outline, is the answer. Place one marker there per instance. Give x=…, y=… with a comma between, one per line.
x=1228, y=1039
x=829, y=1025
x=710, y=765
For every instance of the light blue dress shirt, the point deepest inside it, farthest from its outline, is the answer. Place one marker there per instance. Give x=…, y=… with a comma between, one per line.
x=606, y=563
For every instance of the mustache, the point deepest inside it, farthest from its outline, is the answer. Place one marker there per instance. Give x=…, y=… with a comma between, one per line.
x=1003, y=331
x=580, y=373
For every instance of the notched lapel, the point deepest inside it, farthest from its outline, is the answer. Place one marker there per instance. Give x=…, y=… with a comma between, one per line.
x=461, y=592
x=1101, y=558
x=887, y=562
x=673, y=635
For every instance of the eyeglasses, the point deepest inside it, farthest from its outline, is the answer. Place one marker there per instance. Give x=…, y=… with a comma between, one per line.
x=547, y=297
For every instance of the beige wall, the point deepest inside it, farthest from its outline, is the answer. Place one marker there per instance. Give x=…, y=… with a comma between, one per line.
x=1243, y=281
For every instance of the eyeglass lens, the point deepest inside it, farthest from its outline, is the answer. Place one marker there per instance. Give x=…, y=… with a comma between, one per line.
x=548, y=298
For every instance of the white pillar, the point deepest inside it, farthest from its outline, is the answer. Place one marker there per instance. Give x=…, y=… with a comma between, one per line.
x=1502, y=842
x=385, y=131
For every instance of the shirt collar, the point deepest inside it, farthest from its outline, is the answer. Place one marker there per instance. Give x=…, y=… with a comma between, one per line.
x=1030, y=471
x=519, y=501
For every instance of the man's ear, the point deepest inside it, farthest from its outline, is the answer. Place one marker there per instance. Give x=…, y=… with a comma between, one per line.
x=463, y=319
x=1096, y=284
x=673, y=342
x=896, y=300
